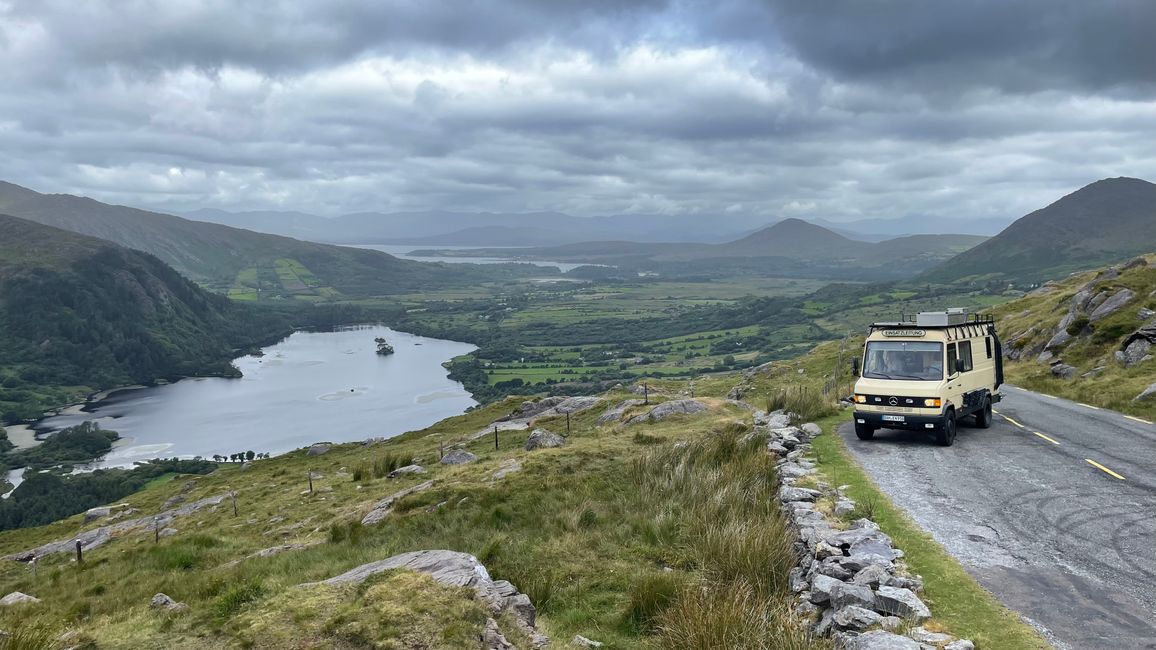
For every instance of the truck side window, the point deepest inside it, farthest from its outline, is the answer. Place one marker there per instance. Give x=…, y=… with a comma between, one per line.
x=965, y=354
x=951, y=358
x=987, y=344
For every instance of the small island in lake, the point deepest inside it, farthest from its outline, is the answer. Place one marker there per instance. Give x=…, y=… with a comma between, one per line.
x=383, y=347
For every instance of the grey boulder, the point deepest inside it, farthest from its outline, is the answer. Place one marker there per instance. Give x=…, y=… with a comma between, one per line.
x=902, y=603
x=856, y=618
x=406, y=469
x=845, y=594
x=18, y=598
x=458, y=457
x=1112, y=305
x=880, y=640
x=544, y=439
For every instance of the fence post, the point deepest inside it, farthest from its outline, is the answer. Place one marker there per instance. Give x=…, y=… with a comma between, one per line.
x=79, y=553
x=646, y=394
x=233, y=494
x=567, y=423
x=310, y=475
x=495, y=437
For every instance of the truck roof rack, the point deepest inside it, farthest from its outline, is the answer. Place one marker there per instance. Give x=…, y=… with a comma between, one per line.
x=937, y=320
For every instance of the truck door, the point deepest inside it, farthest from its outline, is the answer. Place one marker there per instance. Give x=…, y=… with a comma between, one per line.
x=953, y=382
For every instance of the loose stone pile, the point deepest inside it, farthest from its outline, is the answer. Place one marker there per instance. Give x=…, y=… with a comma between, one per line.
x=850, y=580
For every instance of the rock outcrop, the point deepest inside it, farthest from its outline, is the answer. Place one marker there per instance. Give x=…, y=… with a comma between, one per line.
x=457, y=570
x=458, y=457
x=164, y=603
x=406, y=469
x=382, y=508
x=91, y=539
x=18, y=598
x=544, y=439
x=615, y=413
x=667, y=409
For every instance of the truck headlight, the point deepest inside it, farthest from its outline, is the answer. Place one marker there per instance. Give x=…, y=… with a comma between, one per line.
x=933, y=402
x=862, y=399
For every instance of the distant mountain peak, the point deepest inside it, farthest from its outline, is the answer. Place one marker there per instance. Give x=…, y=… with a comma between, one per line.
x=1103, y=222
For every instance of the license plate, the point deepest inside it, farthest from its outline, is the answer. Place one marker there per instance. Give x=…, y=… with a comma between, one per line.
x=893, y=418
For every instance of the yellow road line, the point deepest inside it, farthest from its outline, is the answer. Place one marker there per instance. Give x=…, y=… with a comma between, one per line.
x=1013, y=422
x=1089, y=406
x=1133, y=417
x=1051, y=440
x=1103, y=469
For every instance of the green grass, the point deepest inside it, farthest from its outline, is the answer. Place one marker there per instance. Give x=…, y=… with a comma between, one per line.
x=586, y=530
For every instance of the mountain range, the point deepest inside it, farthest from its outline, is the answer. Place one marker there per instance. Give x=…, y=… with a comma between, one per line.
x=438, y=228
x=216, y=255
x=791, y=247
x=1104, y=222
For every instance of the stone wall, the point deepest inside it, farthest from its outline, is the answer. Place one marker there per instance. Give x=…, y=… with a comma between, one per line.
x=850, y=581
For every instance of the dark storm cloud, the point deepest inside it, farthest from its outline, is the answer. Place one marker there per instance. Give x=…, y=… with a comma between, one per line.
x=281, y=36
x=1022, y=46
x=823, y=109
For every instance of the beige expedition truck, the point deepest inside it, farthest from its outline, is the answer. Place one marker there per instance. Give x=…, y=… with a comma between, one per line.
x=928, y=374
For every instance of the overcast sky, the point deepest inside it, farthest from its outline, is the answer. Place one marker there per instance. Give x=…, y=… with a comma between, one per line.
x=806, y=108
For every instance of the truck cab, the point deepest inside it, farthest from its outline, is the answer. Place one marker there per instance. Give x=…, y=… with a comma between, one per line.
x=928, y=374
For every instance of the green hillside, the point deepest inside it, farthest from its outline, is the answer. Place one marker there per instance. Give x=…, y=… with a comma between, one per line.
x=1073, y=338
x=78, y=314
x=1105, y=222
x=239, y=261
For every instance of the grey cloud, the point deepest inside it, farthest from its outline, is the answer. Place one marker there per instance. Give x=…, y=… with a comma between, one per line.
x=817, y=109
x=1023, y=46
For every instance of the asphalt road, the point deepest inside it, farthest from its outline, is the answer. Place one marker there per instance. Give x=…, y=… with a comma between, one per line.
x=1053, y=509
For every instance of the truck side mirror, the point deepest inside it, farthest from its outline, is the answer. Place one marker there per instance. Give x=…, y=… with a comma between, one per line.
x=855, y=367
x=959, y=367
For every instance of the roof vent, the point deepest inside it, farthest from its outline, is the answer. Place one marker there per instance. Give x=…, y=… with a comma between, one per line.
x=953, y=316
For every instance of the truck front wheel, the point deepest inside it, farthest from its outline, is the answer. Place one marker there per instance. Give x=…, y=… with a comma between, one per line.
x=945, y=435
x=864, y=431
x=983, y=416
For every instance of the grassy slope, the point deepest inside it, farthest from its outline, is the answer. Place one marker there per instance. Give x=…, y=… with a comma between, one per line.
x=1113, y=388
x=575, y=529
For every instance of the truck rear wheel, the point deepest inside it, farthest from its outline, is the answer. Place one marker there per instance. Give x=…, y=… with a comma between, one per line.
x=945, y=435
x=864, y=431
x=983, y=416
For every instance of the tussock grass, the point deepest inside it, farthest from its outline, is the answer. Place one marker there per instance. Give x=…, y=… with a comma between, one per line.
x=809, y=403
x=29, y=635
x=721, y=490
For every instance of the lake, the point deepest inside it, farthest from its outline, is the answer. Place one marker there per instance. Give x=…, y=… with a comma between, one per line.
x=402, y=251
x=311, y=387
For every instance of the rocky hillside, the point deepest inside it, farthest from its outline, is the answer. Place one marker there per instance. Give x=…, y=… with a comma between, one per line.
x=1106, y=222
x=1088, y=337
x=79, y=314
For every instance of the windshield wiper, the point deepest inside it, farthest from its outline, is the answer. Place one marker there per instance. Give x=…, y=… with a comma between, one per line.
x=906, y=377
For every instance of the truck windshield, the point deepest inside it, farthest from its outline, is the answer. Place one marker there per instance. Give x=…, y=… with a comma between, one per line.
x=904, y=360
